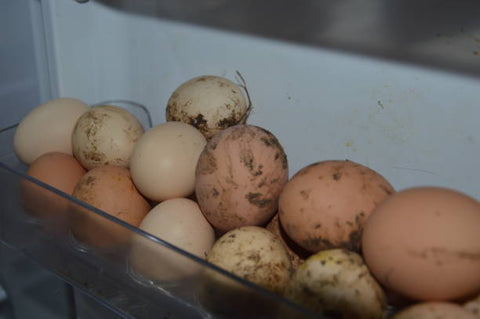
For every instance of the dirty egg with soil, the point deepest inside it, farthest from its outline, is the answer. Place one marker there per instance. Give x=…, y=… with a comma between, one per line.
x=255, y=254
x=105, y=135
x=325, y=204
x=239, y=176
x=337, y=284
x=210, y=103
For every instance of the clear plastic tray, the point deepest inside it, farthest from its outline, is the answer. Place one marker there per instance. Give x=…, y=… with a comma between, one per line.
x=106, y=275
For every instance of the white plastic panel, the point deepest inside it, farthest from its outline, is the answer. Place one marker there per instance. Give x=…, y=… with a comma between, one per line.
x=415, y=126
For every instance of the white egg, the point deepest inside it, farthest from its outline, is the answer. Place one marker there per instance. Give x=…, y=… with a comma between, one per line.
x=164, y=160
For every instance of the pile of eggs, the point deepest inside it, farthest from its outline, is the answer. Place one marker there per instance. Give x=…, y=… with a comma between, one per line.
x=336, y=237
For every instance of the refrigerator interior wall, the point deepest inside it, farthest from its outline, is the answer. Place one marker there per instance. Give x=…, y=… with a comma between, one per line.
x=415, y=125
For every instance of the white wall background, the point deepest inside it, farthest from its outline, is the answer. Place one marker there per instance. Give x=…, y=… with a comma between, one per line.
x=415, y=126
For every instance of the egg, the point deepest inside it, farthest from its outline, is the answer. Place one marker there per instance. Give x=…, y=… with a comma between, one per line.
x=110, y=189
x=239, y=176
x=210, y=103
x=105, y=135
x=179, y=222
x=59, y=170
x=424, y=243
x=255, y=254
x=337, y=283
x=325, y=204
x=297, y=254
x=164, y=160
x=434, y=310
x=47, y=128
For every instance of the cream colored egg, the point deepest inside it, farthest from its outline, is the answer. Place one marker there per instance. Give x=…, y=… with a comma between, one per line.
x=164, y=159
x=47, y=128
x=210, y=103
x=179, y=222
x=105, y=135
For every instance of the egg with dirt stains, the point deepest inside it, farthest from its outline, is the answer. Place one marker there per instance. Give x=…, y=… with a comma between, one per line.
x=210, y=103
x=325, y=205
x=239, y=176
x=337, y=284
x=105, y=135
x=424, y=244
x=255, y=254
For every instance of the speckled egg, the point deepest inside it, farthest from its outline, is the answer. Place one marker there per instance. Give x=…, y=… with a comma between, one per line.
x=325, y=205
x=105, y=135
x=239, y=176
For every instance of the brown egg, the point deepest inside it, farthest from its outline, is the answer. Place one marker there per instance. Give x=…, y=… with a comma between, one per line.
x=297, y=254
x=325, y=204
x=59, y=170
x=110, y=189
x=434, y=310
x=424, y=244
x=239, y=176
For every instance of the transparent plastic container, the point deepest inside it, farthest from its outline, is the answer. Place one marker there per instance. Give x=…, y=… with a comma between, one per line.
x=105, y=276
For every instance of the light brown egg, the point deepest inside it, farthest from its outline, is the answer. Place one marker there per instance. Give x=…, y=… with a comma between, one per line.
x=59, y=170
x=239, y=176
x=325, y=204
x=434, y=310
x=424, y=243
x=110, y=189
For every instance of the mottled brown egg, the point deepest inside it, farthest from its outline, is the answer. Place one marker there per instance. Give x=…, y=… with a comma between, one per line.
x=110, y=189
x=325, y=205
x=424, y=243
x=239, y=176
x=297, y=254
x=59, y=170
x=434, y=310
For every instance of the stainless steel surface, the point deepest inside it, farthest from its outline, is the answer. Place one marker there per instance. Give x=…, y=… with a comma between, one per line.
x=437, y=33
